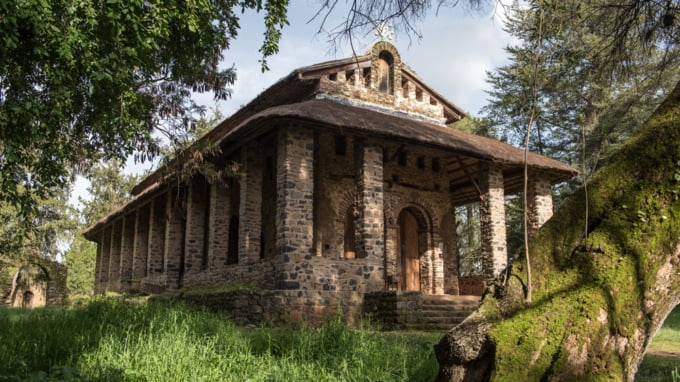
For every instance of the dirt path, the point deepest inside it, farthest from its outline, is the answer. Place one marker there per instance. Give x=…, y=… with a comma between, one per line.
x=663, y=353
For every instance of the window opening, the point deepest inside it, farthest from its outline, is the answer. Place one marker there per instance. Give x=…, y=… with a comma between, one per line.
x=340, y=145
x=232, y=248
x=421, y=163
x=401, y=158
x=436, y=166
x=349, y=236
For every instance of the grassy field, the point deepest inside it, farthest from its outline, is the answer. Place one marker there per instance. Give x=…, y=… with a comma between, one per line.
x=660, y=368
x=111, y=341
x=107, y=340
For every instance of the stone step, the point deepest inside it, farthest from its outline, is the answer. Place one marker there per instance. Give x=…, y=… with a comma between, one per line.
x=441, y=320
x=444, y=313
x=429, y=327
x=463, y=308
x=463, y=301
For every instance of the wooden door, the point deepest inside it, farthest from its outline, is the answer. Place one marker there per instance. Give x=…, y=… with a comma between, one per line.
x=410, y=255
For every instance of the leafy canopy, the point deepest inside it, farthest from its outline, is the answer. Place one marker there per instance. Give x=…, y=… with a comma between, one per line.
x=83, y=80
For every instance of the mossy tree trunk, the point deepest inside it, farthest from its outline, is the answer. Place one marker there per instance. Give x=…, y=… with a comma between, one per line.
x=597, y=301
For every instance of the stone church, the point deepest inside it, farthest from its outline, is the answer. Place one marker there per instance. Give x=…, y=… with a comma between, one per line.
x=347, y=180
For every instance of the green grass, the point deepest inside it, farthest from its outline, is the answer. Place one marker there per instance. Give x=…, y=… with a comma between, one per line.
x=107, y=340
x=656, y=368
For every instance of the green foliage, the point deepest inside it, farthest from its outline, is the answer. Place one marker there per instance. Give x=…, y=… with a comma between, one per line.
x=81, y=259
x=44, y=231
x=111, y=340
x=109, y=188
x=86, y=80
x=579, y=95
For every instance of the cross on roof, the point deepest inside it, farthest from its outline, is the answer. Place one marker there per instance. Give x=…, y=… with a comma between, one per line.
x=384, y=31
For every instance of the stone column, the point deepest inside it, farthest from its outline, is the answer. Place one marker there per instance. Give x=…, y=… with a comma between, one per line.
x=449, y=256
x=141, y=245
x=103, y=250
x=218, y=226
x=391, y=269
x=194, y=244
x=250, y=208
x=127, y=251
x=294, y=205
x=437, y=263
x=370, y=191
x=539, y=198
x=492, y=220
x=113, y=283
x=174, y=238
x=156, y=241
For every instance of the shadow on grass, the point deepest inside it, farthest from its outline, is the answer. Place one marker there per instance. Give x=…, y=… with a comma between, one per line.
x=658, y=369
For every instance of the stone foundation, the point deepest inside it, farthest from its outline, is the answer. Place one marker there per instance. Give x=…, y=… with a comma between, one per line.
x=287, y=307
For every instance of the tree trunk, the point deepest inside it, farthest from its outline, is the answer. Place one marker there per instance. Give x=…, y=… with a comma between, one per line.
x=597, y=301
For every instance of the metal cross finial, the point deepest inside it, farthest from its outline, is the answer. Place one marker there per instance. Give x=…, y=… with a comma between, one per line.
x=384, y=31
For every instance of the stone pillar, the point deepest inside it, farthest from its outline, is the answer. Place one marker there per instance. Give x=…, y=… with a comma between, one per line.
x=113, y=283
x=141, y=246
x=218, y=226
x=437, y=264
x=449, y=256
x=194, y=245
x=392, y=271
x=250, y=208
x=174, y=238
x=127, y=251
x=539, y=198
x=492, y=220
x=98, y=265
x=103, y=249
x=370, y=191
x=156, y=241
x=294, y=205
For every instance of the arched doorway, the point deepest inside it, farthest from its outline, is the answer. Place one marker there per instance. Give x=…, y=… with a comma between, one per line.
x=30, y=287
x=409, y=250
x=28, y=300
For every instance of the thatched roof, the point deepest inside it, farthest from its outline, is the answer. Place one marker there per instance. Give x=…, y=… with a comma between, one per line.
x=300, y=98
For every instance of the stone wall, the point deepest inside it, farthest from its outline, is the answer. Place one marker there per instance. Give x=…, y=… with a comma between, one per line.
x=53, y=290
x=471, y=285
x=393, y=309
x=288, y=217
x=253, y=307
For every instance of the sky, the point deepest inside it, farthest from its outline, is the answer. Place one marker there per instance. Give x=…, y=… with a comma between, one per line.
x=457, y=48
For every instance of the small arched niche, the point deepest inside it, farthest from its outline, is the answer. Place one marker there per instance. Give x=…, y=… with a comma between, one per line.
x=385, y=71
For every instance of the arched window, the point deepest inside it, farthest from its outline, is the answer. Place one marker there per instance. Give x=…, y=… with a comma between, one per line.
x=349, y=247
x=385, y=73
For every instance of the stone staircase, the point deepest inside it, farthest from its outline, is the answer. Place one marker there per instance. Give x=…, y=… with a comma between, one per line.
x=415, y=311
x=443, y=312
